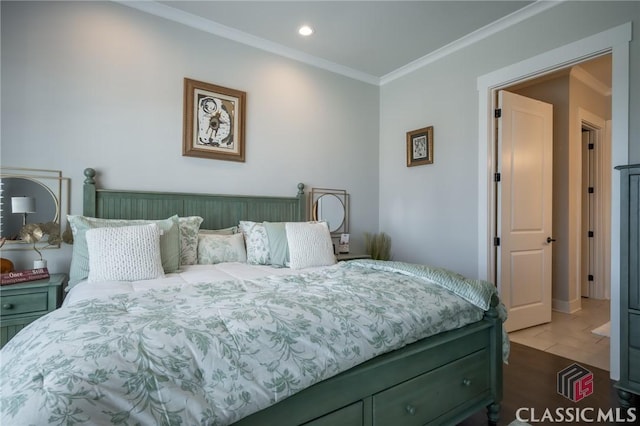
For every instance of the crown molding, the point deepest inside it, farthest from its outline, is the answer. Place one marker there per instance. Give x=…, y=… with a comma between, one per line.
x=501, y=24
x=167, y=12
x=589, y=80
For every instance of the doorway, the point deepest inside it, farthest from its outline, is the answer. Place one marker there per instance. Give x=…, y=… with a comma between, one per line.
x=616, y=41
x=581, y=166
x=580, y=96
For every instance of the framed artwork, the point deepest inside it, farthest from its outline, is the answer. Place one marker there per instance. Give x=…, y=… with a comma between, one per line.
x=213, y=121
x=420, y=147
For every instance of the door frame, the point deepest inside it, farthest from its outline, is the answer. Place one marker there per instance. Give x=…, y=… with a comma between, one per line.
x=615, y=41
x=601, y=175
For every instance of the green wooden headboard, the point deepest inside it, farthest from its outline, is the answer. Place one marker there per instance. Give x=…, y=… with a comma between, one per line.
x=218, y=211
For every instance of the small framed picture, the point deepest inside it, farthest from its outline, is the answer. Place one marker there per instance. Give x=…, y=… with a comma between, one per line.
x=213, y=121
x=420, y=147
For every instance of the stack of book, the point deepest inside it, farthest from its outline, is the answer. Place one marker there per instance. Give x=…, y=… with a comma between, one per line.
x=16, y=277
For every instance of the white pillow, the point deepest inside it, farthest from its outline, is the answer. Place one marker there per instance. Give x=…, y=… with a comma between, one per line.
x=129, y=253
x=218, y=248
x=309, y=245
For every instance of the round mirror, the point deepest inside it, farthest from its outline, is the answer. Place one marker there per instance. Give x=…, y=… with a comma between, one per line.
x=35, y=202
x=329, y=208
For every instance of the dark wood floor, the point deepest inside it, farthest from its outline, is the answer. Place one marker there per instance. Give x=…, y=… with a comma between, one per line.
x=530, y=381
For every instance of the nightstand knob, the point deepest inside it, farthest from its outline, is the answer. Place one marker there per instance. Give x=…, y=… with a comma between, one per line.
x=411, y=410
x=7, y=306
x=466, y=382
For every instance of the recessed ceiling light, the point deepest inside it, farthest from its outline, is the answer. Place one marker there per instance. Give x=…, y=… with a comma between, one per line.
x=305, y=30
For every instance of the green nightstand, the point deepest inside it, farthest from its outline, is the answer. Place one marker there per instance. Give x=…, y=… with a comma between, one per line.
x=23, y=303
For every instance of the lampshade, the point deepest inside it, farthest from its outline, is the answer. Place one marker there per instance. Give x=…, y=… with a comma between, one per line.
x=23, y=204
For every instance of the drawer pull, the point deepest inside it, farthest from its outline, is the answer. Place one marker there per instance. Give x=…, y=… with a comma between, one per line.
x=410, y=409
x=7, y=306
x=466, y=382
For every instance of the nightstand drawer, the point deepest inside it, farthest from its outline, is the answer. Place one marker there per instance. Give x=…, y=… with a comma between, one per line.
x=24, y=303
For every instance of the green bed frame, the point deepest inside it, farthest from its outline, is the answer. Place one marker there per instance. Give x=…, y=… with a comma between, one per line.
x=439, y=380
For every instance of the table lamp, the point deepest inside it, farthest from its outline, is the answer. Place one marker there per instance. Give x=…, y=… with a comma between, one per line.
x=23, y=205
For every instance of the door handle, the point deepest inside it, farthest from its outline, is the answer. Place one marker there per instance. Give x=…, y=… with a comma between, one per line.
x=550, y=240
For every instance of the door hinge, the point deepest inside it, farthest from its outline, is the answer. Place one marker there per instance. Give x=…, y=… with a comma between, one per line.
x=590, y=190
x=590, y=278
x=497, y=113
x=590, y=234
x=496, y=241
x=496, y=177
x=591, y=146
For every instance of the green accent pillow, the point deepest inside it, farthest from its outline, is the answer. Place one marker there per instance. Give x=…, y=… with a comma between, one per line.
x=278, y=246
x=169, y=242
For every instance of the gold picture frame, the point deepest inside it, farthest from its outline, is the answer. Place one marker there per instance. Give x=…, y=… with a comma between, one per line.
x=420, y=147
x=214, y=118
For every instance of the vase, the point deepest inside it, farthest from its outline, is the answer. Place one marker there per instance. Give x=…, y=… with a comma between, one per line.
x=37, y=264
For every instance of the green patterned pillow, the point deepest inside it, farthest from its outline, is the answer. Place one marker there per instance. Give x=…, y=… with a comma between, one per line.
x=169, y=242
x=225, y=231
x=257, y=242
x=218, y=248
x=189, y=227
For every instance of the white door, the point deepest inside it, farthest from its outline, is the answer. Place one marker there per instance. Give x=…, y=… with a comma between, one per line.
x=525, y=144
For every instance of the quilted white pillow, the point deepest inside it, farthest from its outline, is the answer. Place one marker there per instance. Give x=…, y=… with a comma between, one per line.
x=309, y=245
x=129, y=253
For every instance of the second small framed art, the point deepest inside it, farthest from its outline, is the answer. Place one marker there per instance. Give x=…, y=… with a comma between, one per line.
x=420, y=147
x=213, y=121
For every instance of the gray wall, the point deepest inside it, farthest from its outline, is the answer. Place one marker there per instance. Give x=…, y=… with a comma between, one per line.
x=431, y=211
x=98, y=84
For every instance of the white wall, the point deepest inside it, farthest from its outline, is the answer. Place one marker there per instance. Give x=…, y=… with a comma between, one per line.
x=98, y=84
x=431, y=211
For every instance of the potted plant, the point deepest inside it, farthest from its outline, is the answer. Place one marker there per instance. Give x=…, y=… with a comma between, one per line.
x=378, y=246
x=34, y=233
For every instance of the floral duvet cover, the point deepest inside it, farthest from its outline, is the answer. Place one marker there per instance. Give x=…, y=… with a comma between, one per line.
x=213, y=353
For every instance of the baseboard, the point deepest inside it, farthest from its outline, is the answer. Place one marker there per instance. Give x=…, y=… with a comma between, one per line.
x=568, y=307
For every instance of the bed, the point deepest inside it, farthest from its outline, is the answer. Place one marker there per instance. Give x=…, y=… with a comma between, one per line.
x=361, y=342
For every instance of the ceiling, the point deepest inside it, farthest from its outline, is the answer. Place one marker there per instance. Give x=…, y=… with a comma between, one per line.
x=368, y=40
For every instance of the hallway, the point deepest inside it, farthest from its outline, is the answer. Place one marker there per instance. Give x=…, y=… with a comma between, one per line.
x=570, y=335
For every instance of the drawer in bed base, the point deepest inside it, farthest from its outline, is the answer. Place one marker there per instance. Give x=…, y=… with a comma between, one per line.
x=423, y=399
x=351, y=415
